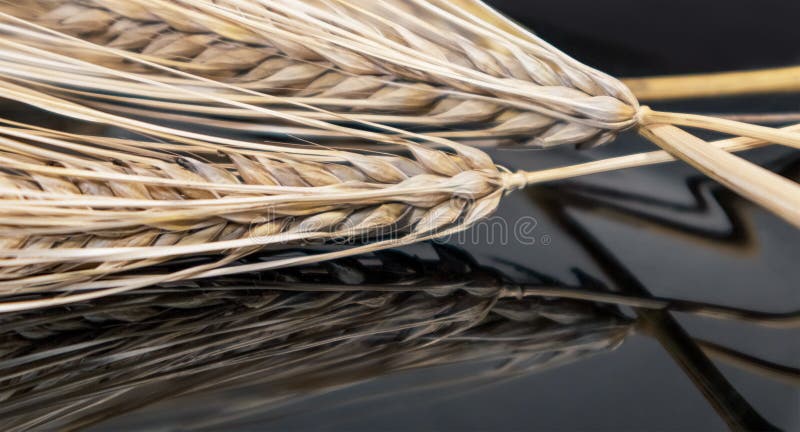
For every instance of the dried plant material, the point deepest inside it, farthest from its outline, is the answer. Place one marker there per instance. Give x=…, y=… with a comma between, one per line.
x=436, y=64
x=751, y=181
x=432, y=67
x=81, y=211
x=718, y=84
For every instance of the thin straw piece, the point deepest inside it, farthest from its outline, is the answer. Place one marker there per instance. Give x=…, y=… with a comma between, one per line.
x=775, y=193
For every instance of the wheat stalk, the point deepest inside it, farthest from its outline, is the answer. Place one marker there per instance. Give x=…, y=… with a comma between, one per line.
x=440, y=85
x=229, y=42
x=482, y=58
x=80, y=211
x=733, y=83
x=201, y=39
x=116, y=216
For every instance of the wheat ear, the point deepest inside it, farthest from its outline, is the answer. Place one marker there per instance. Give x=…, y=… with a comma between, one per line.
x=222, y=41
x=482, y=58
x=472, y=87
x=127, y=186
x=80, y=211
x=104, y=207
x=126, y=204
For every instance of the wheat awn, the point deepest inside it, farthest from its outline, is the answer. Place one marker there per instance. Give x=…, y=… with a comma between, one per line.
x=79, y=211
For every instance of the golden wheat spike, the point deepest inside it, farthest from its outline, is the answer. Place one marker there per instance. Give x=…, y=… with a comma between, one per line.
x=450, y=63
x=430, y=52
x=474, y=60
x=79, y=211
x=427, y=67
x=75, y=216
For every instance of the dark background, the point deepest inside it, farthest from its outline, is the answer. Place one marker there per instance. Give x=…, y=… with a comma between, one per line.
x=692, y=248
x=645, y=37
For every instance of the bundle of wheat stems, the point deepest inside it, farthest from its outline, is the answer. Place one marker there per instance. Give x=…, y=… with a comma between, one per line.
x=423, y=76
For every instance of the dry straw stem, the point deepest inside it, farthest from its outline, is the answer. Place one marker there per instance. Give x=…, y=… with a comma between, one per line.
x=558, y=99
x=734, y=83
x=80, y=211
x=482, y=62
x=776, y=193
